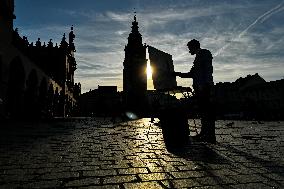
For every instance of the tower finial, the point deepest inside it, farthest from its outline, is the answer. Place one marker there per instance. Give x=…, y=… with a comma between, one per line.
x=50, y=44
x=63, y=42
x=64, y=37
x=71, y=39
x=135, y=15
x=135, y=24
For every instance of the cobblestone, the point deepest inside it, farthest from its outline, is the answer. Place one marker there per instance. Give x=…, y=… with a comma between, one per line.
x=96, y=153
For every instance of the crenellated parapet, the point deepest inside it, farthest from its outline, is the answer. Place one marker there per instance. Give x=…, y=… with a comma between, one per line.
x=24, y=45
x=57, y=61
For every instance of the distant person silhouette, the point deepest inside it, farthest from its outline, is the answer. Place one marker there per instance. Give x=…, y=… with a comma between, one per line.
x=201, y=73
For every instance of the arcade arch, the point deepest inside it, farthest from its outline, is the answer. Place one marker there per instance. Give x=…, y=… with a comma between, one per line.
x=16, y=86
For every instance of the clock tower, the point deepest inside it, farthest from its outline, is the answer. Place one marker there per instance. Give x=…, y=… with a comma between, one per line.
x=134, y=71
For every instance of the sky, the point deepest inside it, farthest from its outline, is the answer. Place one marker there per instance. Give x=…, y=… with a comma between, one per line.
x=244, y=36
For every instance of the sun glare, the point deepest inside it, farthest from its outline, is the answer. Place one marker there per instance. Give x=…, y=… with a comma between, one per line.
x=149, y=70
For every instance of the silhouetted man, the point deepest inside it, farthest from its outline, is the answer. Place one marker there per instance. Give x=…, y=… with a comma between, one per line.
x=201, y=73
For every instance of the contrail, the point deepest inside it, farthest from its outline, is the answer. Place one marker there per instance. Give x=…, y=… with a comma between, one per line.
x=276, y=11
x=260, y=19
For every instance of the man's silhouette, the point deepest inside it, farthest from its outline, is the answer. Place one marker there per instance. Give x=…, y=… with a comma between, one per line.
x=201, y=73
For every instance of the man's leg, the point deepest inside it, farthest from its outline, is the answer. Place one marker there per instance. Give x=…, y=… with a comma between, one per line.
x=209, y=122
x=201, y=112
x=207, y=132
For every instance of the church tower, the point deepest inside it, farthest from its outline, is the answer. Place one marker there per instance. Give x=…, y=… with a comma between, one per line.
x=134, y=75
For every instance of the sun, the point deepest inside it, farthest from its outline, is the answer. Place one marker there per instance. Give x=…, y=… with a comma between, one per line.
x=149, y=71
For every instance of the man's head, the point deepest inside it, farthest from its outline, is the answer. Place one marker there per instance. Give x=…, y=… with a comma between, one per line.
x=193, y=46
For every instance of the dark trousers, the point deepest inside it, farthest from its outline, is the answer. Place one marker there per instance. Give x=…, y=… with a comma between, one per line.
x=206, y=111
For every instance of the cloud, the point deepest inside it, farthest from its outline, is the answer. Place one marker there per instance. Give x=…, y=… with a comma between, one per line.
x=169, y=30
x=259, y=20
x=245, y=36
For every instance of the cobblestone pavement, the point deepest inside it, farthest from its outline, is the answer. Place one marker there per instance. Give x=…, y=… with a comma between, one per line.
x=95, y=153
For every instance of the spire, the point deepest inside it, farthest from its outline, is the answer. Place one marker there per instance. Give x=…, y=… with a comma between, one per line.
x=38, y=43
x=135, y=25
x=71, y=39
x=50, y=44
x=63, y=38
x=134, y=37
x=63, y=42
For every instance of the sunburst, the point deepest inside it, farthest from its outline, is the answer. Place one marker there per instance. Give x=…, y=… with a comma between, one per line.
x=149, y=71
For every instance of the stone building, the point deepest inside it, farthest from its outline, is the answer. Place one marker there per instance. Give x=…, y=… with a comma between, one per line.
x=134, y=75
x=36, y=80
x=104, y=101
x=250, y=98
